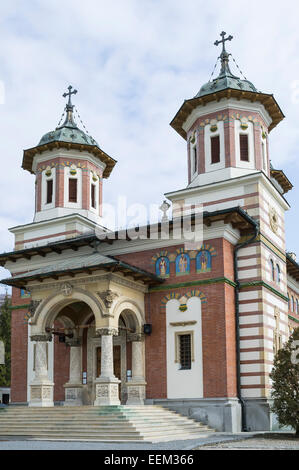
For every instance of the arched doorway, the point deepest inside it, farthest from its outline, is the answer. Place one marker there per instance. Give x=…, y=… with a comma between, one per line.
x=90, y=364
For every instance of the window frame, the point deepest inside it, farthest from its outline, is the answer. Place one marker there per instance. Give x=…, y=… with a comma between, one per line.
x=177, y=347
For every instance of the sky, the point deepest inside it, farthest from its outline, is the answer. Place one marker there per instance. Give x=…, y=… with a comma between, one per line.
x=133, y=63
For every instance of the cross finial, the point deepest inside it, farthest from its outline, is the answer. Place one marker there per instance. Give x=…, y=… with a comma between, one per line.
x=69, y=94
x=229, y=38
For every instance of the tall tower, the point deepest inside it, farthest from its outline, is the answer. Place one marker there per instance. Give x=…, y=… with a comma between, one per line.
x=226, y=126
x=69, y=167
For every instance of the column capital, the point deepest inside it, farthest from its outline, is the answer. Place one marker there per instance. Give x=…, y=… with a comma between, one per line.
x=108, y=331
x=73, y=343
x=41, y=338
x=135, y=337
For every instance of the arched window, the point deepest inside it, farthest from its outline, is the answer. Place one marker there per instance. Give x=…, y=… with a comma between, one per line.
x=272, y=270
x=297, y=306
x=293, y=304
x=278, y=273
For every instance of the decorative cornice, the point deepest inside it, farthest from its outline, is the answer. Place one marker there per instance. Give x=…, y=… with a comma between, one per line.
x=183, y=323
x=193, y=283
x=90, y=279
x=108, y=331
x=293, y=318
x=41, y=338
x=267, y=286
x=19, y=307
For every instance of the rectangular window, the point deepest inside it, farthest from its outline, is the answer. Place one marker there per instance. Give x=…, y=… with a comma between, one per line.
x=244, y=155
x=215, y=149
x=185, y=351
x=93, y=196
x=194, y=164
x=72, y=190
x=49, y=191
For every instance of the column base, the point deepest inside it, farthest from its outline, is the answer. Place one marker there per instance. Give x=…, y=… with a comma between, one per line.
x=73, y=394
x=136, y=393
x=107, y=391
x=41, y=394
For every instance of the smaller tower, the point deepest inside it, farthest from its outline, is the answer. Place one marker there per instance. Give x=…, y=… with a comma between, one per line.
x=226, y=126
x=69, y=167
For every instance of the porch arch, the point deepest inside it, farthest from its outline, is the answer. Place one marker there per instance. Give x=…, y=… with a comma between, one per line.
x=48, y=310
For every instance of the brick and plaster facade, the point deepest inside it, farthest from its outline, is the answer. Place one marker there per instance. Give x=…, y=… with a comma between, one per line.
x=116, y=320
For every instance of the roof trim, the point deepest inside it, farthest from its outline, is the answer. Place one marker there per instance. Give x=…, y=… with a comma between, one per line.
x=239, y=218
x=29, y=154
x=187, y=107
x=292, y=267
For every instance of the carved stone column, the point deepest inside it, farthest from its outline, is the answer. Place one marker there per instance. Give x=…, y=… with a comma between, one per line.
x=107, y=385
x=136, y=387
x=41, y=388
x=73, y=388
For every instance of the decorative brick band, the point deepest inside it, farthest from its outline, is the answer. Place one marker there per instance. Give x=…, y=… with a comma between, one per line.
x=193, y=284
x=178, y=296
x=267, y=286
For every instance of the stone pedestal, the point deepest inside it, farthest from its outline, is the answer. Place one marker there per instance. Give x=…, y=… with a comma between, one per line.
x=107, y=392
x=107, y=385
x=73, y=394
x=73, y=388
x=41, y=388
x=136, y=393
x=136, y=387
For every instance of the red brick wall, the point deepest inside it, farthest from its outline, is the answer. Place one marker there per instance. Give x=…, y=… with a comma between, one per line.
x=61, y=365
x=218, y=323
x=19, y=332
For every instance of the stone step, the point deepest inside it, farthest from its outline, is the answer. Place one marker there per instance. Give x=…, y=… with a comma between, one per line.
x=117, y=423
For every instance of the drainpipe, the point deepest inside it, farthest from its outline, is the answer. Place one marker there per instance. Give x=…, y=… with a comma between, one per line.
x=237, y=309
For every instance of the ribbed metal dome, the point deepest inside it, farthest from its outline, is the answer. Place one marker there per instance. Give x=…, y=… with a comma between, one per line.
x=69, y=131
x=68, y=134
x=226, y=79
x=222, y=83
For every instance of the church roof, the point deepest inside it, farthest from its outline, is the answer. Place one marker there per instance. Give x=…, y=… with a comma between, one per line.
x=68, y=135
x=226, y=85
x=85, y=263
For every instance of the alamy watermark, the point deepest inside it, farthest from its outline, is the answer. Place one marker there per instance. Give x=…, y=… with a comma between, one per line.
x=141, y=222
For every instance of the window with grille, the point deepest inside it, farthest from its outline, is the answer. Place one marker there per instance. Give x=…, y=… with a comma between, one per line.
x=49, y=191
x=244, y=154
x=93, y=196
x=185, y=351
x=215, y=149
x=72, y=190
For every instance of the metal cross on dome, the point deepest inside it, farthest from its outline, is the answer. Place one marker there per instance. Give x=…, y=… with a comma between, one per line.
x=69, y=94
x=229, y=38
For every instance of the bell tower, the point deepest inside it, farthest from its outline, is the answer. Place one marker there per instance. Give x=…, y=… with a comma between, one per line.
x=69, y=168
x=226, y=127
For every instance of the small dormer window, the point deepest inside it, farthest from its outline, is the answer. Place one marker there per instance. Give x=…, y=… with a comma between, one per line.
x=215, y=149
x=49, y=191
x=244, y=150
x=72, y=189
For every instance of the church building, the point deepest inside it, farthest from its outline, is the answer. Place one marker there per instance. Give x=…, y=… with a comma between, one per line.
x=100, y=318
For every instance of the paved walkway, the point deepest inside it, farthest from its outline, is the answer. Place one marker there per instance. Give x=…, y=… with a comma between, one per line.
x=214, y=441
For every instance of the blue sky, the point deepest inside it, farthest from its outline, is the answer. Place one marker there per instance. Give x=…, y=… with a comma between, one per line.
x=133, y=63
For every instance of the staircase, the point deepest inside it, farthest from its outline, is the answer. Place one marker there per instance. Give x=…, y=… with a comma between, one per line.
x=104, y=423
